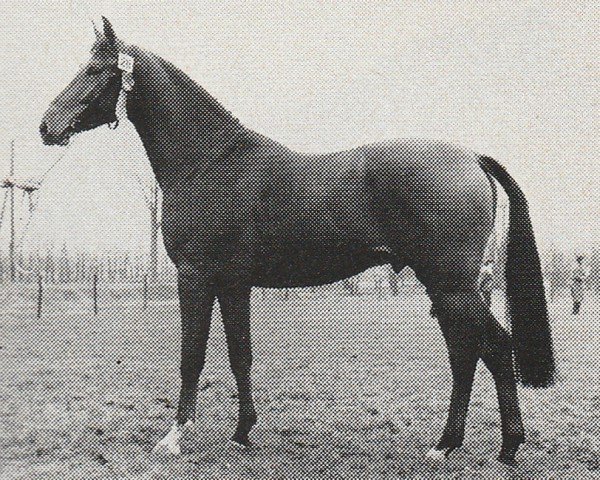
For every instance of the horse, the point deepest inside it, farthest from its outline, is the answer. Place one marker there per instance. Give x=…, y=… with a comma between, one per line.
x=241, y=210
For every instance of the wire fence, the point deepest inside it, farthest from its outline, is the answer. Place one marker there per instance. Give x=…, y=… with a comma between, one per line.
x=85, y=282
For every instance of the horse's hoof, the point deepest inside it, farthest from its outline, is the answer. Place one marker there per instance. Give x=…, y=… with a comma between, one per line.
x=170, y=443
x=242, y=441
x=509, y=452
x=237, y=446
x=162, y=449
x=507, y=460
x=436, y=456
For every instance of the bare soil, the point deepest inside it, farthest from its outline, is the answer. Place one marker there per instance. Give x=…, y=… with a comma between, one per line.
x=345, y=387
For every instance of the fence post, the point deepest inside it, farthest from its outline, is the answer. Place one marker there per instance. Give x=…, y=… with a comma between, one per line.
x=393, y=281
x=40, y=297
x=145, y=293
x=95, y=293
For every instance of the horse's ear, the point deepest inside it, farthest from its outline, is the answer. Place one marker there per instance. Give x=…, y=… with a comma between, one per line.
x=109, y=33
x=98, y=33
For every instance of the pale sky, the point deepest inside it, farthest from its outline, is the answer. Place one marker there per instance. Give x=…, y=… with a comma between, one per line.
x=516, y=80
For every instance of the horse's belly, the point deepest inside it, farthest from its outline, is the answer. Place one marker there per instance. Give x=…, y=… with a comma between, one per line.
x=313, y=265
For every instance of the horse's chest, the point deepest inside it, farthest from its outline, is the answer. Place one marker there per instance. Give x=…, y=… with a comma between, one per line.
x=202, y=224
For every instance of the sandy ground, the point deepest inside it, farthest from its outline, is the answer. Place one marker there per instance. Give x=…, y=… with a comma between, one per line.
x=344, y=387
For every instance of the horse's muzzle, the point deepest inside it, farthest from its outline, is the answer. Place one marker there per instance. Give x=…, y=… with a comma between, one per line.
x=55, y=139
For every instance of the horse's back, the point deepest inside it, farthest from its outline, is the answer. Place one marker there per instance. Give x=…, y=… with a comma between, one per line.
x=423, y=163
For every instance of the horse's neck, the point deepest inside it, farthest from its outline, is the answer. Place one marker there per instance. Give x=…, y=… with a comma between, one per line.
x=181, y=126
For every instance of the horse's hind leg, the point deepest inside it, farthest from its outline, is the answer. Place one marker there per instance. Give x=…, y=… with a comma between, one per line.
x=462, y=342
x=496, y=353
x=471, y=332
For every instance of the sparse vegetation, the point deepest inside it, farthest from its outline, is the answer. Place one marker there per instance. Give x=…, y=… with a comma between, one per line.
x=346, y=387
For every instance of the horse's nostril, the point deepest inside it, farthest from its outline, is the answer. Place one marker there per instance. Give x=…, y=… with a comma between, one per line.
x=43, y=129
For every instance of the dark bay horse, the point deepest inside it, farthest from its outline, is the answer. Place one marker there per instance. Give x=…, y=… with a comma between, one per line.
x=241, y=210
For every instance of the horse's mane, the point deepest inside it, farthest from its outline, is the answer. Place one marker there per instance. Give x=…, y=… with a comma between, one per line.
x=196, y=97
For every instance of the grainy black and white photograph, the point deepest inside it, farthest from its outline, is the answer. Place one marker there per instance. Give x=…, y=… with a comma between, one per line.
x=315, y=239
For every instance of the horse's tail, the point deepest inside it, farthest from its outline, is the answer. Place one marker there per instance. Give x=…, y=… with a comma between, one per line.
x=532, y=340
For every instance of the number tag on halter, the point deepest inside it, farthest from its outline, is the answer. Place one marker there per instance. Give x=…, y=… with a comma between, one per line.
x=125, y=62
x=127, y=81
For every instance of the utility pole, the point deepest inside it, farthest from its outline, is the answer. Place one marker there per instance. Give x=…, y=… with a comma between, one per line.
x=11, y=247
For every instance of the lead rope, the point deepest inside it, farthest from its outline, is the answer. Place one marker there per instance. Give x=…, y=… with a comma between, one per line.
x=30, y=190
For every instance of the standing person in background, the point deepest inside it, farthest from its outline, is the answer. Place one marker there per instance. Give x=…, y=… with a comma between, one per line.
x=486, y=282
x=577, y=279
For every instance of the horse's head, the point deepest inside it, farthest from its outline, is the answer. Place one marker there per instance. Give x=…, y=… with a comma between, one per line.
x=90, y=99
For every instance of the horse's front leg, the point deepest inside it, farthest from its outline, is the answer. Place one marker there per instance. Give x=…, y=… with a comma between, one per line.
x=196, y=298
x=235, y=310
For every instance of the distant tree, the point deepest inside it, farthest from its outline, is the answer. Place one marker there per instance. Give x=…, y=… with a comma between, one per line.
x=49, y=264
x=594, y=265
x=63, y=265
x=394, y=281
x=155, y=221
x=349, y=285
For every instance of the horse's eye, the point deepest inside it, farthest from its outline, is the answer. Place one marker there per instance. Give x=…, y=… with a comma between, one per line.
x=94, y=70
